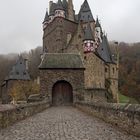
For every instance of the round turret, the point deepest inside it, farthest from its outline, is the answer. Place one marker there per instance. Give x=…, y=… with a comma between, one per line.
x=89, y=44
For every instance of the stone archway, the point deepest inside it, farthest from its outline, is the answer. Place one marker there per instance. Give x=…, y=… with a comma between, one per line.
x=62, y=93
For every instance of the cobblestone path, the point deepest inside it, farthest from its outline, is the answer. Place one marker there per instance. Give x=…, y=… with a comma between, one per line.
x=63, y=123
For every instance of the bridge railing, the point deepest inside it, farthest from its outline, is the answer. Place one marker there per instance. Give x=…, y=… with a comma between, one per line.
x=10, y=114
x=126, y=117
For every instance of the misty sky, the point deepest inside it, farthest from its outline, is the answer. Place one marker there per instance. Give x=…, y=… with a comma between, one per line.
x=21, y=21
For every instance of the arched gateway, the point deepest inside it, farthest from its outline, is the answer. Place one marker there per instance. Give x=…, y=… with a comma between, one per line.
x=62, y=78
x=62, y=93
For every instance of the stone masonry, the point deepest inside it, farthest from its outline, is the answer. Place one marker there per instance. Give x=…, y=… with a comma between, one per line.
x=63, y=123
x=50, y=77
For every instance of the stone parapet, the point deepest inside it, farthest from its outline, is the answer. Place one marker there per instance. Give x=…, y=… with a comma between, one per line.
x=10, y=114
x=126, y=117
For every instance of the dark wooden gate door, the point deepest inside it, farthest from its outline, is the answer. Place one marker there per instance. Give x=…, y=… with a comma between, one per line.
x=62, y=93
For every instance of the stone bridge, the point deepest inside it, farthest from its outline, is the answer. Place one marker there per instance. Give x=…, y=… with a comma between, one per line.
x=58, y=123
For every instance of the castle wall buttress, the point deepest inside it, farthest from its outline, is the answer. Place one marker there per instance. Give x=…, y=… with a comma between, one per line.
x=113, y=78
x=94, y=72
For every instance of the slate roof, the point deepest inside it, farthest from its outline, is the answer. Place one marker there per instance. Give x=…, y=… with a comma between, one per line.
x=65, y=4
x=61, y=60
x=46, y=17
x=19, y=71
x=85, y=13
x=104, y=51
x=88, y=33
x=59, y=5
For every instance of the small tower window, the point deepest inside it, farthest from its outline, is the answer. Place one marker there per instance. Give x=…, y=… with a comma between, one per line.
x=105, y=69
x=85, y=57
x=113, y=70
x=17, y=73
x=79, y=36
x=24, y=73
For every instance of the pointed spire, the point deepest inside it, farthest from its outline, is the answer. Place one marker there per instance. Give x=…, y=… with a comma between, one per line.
x=85, y=13
x=97, y=23
x=85, y=6
x=46, y=17
x=88, y=33
x=59, y=5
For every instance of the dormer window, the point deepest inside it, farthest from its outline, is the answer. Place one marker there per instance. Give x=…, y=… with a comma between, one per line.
x=17, y=73
x=24, y=73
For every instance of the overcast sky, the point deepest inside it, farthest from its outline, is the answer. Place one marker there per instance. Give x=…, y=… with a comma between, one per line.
x=21, y=21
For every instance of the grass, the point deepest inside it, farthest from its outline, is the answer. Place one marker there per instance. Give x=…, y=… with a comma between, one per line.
x=126, y=99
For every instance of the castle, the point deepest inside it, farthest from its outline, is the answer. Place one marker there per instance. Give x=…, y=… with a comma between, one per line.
x=77, y=64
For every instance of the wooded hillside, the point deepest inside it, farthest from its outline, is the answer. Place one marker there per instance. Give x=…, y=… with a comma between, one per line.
x=129, y=74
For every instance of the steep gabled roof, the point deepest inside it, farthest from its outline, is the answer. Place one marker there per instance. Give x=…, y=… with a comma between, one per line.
x=19, y=71
x=104, y=51
x=85, y=13
x=61, y=60
x=46, y=17
x=88, y=35
x=59, y=5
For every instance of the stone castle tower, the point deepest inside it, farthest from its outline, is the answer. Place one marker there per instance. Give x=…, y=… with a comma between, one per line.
x=77, y=64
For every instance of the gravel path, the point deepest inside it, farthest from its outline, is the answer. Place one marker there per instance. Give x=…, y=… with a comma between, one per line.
x=63, y=123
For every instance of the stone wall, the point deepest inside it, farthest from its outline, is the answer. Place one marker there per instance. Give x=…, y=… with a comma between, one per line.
x=55, y=35
x=114, y=81
x=126, y=117
x=94, y=72
x=95, y=95
x=75, y=77
x=10, y=114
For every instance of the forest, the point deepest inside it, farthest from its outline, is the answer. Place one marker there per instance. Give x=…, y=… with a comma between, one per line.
x=129, y=68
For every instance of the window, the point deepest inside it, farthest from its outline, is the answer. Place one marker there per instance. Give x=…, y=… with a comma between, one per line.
x=79, y=36
x=17, y=73
x=105, y=69
x=85, y=57
x=24, y=73
x=113, y=70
